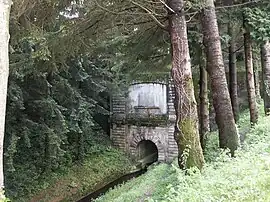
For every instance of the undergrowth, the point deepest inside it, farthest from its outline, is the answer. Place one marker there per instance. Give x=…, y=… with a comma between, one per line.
x=243, y=178
x=81, y=179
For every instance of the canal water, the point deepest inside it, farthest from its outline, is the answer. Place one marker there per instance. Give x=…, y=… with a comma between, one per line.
x=103, y=190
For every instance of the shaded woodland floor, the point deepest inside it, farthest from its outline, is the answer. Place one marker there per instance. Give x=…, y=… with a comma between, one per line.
x=244, y=178
x=79, y=180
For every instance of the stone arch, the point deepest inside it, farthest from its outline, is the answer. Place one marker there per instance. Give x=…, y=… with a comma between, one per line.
x=155, y=139
x=146, y=148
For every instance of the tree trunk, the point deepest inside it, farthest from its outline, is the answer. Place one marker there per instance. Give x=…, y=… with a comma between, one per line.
x=204, y=104
x=257, y=81
x=228, y=136
x=233, y=73
x=186, y=126
x=4, y=67
x=265, y=59
x=250, y=76
x=212, y=114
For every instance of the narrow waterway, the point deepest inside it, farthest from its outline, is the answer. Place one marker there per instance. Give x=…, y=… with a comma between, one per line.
x=148, y=154
x=112, y=184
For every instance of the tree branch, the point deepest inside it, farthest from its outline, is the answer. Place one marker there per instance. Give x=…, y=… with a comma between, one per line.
x=158, y=56
x=150, y=14
x=134, y=23
x=168, y=7
x=229, y=6
x=238, y=5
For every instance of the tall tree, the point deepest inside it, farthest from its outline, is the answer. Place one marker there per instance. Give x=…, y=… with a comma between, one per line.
x=233, y=72
x=186, y=126
x=4, y=67
x=265, y=60
x=257, y=20
x=256, y=79
x=250, y=73
x=53, y=93
x=228, y=137
x=204, y=102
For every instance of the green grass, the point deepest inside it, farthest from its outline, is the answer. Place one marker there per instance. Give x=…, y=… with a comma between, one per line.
x=244, y=178
x=82, y=179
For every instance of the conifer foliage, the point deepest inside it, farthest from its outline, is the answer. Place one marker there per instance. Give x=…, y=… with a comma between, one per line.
x=56, y=90
x=66, y=57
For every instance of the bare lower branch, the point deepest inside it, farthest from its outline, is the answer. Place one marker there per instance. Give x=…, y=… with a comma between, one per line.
x=191, y=17
x=168, y=7
x=239, y=5
x=150, y=14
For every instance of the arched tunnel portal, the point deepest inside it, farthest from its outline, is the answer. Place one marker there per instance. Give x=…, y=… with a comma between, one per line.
x=147, y=151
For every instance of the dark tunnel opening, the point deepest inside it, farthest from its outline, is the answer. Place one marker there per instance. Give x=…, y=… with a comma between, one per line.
x=147, y=152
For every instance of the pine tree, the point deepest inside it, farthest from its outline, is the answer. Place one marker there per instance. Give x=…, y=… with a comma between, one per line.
x=265, y=60
x=250, y=74
x=228, y=137
x=186, y=127
x=233, y=72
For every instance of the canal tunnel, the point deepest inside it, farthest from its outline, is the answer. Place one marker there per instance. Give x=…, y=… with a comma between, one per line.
x=147, y=152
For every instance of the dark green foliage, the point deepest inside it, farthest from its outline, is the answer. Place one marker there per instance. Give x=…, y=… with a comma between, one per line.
x=62, y=72
x=258, y=19
x=50, y=121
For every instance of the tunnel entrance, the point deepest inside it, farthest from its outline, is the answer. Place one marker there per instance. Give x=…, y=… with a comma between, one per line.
x=147, y=152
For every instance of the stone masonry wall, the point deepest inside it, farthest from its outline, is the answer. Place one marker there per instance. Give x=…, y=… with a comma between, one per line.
x=118, y=128
x=157, y=135
x=126, y=134
x=172, y=146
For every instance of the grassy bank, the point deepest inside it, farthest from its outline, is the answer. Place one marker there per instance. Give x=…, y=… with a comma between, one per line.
x=244, y=178
x=76, y=182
